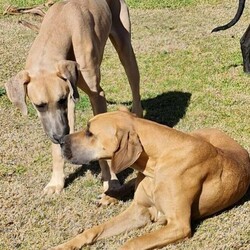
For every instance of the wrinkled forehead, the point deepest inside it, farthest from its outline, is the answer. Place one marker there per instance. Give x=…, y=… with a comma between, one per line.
x=47, y=89
x=108, y=122
x=101, y=124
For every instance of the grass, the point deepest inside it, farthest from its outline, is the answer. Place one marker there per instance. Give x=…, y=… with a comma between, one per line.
x=136, y=4
x=159, y=4
x=190, y=79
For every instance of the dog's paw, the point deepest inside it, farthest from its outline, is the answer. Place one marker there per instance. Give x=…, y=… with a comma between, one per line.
x=55, y=186
x=52, y=189
x=65, y=246
x=105, y=200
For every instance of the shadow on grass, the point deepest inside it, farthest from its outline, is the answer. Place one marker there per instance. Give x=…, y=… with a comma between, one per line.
x=167, y=108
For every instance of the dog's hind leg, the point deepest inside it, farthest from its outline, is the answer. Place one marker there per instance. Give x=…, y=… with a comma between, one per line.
x=120, y=37
x=177, y=227
x=172, y=232
x=90, y=84
x=88, y=52
x=133, y=217
x=88, y=42
x=245, y=49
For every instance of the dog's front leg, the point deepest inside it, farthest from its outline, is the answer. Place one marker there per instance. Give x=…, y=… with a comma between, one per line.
x=134, y=217
x=89, y=82
x=111, y=184
x=56, y=183
x=57, y=180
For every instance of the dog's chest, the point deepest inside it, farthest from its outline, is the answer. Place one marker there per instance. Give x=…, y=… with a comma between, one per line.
x=145, y=165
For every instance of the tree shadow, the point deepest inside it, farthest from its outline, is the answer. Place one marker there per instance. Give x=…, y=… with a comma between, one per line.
x=167, y=108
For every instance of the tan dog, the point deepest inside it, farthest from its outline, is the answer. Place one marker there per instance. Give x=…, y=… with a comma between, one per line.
x=181, y=176
x=67, y=54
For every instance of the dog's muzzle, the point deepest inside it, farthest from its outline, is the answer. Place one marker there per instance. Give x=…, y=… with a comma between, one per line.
x=65, y=146
x=55, y=125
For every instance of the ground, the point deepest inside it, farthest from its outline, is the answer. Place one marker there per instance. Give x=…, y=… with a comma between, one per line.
x=190, y=79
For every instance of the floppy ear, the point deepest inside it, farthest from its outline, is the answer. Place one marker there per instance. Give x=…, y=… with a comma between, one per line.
x=16, y=90
x=127, y=153
x=67, y=70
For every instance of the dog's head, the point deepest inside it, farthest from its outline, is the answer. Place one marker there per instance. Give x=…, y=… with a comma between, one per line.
x=107, y=136
x=49, y=92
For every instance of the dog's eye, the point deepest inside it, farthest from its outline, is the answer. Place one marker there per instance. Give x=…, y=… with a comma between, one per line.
x=88, y=133
x=41, y=107
x=62, y=101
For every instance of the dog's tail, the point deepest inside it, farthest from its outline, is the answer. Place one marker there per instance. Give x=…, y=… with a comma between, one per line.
x=236, y=18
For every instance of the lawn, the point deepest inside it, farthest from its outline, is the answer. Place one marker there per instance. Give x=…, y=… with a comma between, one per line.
x=190, y=79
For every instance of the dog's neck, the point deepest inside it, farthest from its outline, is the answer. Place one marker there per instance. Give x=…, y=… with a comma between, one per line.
x=152, y=152
x=43, y=54
x=169, y=135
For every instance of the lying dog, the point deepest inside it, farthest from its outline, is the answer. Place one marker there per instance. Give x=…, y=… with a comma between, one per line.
x=67, y=54
x=181, y=176
x=245, y=39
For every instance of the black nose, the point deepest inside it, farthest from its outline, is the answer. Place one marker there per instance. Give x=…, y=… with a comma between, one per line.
x=58, y=139
x=62, y=141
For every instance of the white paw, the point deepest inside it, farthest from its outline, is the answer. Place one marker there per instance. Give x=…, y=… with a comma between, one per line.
x=54, y=187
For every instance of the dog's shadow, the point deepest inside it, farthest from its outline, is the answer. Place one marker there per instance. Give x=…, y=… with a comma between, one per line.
x=167, y=108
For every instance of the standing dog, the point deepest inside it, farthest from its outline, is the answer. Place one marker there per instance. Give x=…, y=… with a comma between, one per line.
x=181, y=176
x=245, y=39
x=66, y=54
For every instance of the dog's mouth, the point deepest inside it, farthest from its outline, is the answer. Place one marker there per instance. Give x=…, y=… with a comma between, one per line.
x=56, y=138
x=74, y=152
x=66, y=149
x=55, y=141
x=56, y=129
x=67, y=154
x=76, y=157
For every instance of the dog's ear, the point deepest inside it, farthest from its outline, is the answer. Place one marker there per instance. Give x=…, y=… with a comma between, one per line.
x=16, y=90
x=68, y=71
x=128, y=151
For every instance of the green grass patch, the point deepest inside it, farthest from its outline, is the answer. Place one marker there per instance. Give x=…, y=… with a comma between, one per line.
x=136, y=4
x=22, y=3
x=10, y=171
x=2, y=91
x=159, y=4
x=83, y=102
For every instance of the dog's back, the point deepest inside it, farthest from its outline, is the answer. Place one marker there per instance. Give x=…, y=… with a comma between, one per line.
x=222, y=141
x=61, y=36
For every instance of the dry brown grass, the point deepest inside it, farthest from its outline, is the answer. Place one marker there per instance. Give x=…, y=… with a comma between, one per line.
x=190, y=79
